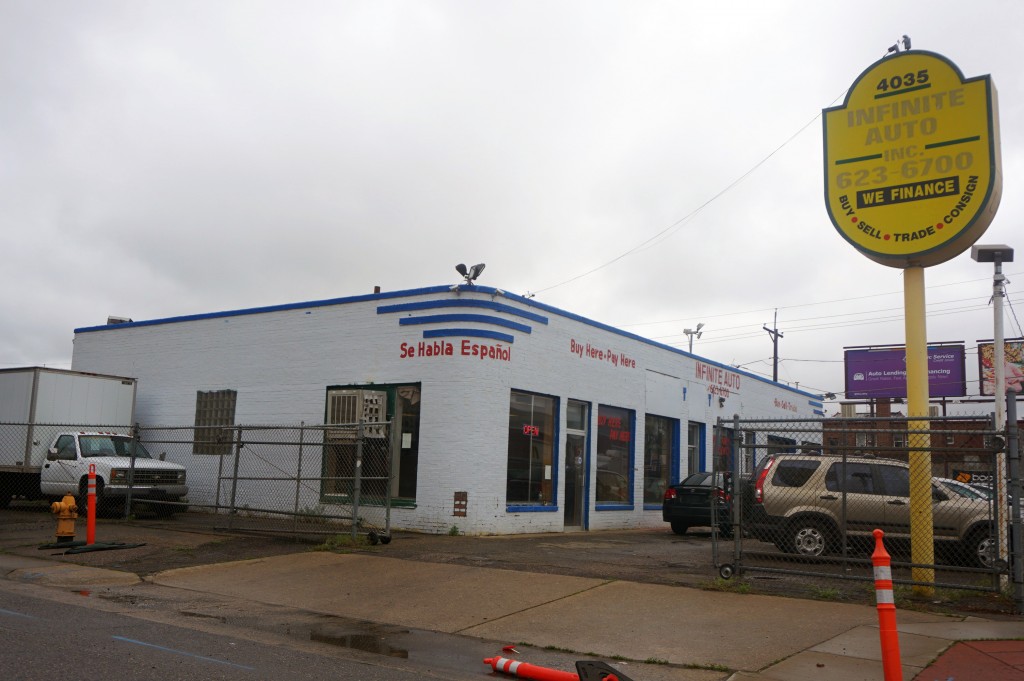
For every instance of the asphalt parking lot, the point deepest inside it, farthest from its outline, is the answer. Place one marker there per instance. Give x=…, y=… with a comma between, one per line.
x=652, y=556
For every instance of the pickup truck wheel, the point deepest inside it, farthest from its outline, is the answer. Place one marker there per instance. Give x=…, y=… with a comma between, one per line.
x=679, y=527
x=809, y=538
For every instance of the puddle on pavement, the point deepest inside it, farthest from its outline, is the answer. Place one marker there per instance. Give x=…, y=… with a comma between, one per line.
x=367, y=642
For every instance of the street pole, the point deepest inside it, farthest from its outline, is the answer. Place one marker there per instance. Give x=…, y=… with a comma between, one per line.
x=694, y=332
x=775, y=334
x=997, y=254
x=999, y=350
x=999, y=370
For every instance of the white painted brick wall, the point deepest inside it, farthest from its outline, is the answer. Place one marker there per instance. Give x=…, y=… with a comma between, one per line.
x=281, y=363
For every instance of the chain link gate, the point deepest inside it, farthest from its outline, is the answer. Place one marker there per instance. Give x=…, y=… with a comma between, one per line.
x=304, y=480
x=806, y=495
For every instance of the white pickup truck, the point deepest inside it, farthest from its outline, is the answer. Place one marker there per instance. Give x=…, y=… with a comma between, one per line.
x=121, y=463
x=54, y=423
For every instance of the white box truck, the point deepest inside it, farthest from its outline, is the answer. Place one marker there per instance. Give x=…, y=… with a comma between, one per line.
x=55, y=423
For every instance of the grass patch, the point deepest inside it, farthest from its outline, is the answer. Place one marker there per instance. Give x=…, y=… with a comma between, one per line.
x=707, y=667
x=739, y=586
x=340, y=543
x=826, y=593
x=311, y=514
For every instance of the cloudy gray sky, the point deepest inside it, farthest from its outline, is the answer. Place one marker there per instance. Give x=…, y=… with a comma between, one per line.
x=168, y=158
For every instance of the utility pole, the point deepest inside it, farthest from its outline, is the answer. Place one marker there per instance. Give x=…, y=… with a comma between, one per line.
x=775, y=335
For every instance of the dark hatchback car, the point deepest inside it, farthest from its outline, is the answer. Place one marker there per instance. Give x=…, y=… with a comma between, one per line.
x=701, y=500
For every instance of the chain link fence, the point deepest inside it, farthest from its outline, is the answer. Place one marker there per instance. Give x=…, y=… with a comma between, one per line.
x=806, y=496
x=302, y=481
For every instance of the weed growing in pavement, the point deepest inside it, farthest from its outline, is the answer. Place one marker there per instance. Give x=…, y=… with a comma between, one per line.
x=826, y=593
x=311, y=513
x=707, y=667
x=343, y=542
x=454, y=531
x=739, y=586
x=556, y=649
x=953, y=600
x=655, y=660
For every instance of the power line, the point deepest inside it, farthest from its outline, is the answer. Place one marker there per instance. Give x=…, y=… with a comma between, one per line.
x=748, y=330
x=935, y=307
x=820, y=302
x=1020, y=332
x=671, y=229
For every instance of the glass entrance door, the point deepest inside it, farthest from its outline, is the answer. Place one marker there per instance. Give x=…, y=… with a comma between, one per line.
x=576, y=464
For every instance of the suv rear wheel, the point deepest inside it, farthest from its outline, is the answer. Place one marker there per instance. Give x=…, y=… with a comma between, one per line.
x=809, y=537
x=679, y=527
x=982, y=548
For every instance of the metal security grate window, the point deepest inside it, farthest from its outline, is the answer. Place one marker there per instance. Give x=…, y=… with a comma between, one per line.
x=215, y=415
x=349, y=413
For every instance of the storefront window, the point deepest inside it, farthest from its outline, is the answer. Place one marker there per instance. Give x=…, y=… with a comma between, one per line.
x=694, y=433
x=614, y=455
x=659, y=443
x=531, y=449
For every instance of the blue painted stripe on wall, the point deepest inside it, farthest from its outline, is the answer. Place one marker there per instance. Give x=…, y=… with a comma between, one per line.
x=462, y=302
x=479, y=318
x=446, y=289
x=470, y=333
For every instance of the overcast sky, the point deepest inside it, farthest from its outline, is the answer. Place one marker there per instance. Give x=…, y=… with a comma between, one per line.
x=170, y=158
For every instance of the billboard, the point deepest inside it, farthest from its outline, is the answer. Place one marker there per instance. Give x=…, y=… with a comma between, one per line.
x=1014, y=350
x=882, y=372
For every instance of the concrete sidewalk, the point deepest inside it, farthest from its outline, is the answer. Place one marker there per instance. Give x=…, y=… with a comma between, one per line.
x=764, y=637
x=702, y=635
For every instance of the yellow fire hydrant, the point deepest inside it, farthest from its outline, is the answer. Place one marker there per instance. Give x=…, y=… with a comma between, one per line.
x=66, y=511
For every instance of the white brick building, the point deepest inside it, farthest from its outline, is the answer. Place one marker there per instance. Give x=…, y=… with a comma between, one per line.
x=540, y=419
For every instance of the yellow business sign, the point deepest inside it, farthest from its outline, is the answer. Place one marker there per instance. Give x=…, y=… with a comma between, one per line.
x=912, y=172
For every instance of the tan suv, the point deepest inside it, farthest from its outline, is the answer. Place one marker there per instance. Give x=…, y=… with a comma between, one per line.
x=798, y=505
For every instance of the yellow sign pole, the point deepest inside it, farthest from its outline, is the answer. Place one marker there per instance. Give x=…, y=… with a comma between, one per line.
x=922, y=541
x=912, y=179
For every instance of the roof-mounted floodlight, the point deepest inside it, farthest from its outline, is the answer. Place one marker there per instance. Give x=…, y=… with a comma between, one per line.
x=471, y=273
x=694, y=332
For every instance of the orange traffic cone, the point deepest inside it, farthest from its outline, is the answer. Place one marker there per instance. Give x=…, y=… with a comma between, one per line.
x=528, y=671
x=886, y=604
